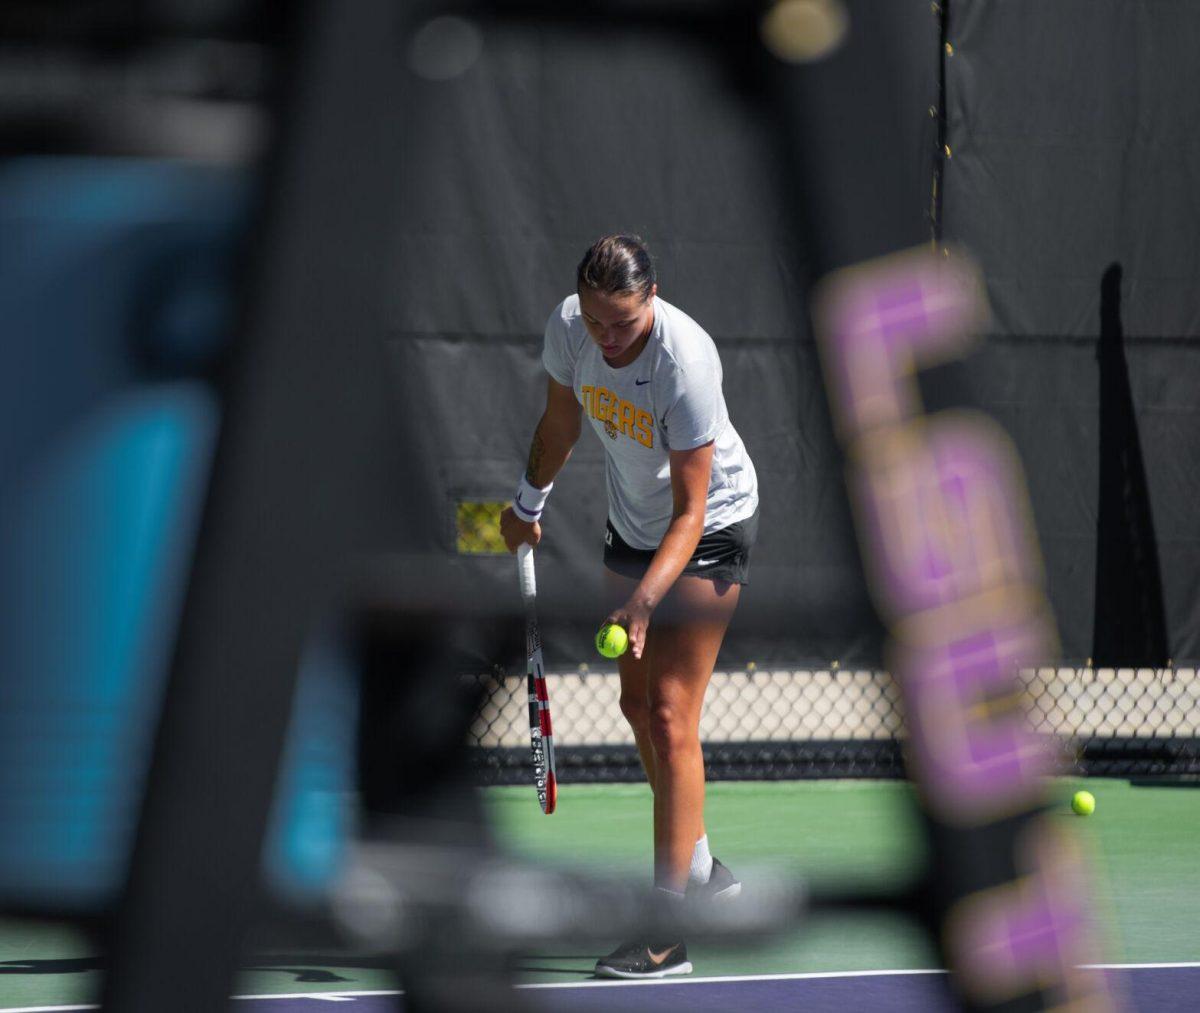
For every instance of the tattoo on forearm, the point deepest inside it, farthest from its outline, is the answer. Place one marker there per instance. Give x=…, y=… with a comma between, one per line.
x=536, y=451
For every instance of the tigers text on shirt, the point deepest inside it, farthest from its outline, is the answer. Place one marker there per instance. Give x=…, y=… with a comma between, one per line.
x=618, y=415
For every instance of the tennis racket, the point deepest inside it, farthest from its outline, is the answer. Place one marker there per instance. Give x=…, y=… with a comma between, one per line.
x=541, y=734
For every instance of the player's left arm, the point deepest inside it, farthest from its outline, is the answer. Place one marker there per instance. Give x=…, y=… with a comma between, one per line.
x=691, y=471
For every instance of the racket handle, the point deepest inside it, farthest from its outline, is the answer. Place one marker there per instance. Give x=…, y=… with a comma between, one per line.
x=525, y=571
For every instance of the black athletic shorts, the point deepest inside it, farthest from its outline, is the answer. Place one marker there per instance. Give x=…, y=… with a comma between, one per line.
x=722, y=555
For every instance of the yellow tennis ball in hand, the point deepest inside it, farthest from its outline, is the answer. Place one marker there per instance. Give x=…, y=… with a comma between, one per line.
x=611, y=640
x=1084, y=803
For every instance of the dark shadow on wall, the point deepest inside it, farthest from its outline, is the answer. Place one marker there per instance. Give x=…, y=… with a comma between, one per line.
x=1130, y=627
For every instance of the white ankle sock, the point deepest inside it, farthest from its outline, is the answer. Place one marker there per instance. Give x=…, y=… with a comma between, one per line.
x=702, y=862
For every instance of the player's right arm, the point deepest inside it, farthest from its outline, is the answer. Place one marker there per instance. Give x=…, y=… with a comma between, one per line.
x=556, y=434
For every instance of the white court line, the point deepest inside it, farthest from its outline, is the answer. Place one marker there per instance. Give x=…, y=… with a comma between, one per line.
x=819, y=974
x=724, y=979
x=621, y=982
x=323, y=996
x=333, y=996
x=1138, y=967
x=42, y=1009
x=347, y=996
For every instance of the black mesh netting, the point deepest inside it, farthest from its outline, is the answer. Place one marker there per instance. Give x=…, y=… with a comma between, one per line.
x=781, y=723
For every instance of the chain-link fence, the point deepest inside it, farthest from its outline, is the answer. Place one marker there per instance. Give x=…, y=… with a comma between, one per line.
x=787, y=723
x=781, y=723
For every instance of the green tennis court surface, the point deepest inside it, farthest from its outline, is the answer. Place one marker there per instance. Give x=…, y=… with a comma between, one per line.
x=1142, y=841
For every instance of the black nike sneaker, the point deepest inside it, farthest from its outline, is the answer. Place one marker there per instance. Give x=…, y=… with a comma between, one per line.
x=720, y=886
x=644, y=960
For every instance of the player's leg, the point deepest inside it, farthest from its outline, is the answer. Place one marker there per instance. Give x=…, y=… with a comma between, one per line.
x=687, y=632
x=681, y=648
x=635, y=685
x=635, y=675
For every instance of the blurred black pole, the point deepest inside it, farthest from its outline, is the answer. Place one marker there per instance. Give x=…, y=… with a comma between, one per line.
x=297, y=484
x=856, y=130
x=858, y=136
x=859, y=128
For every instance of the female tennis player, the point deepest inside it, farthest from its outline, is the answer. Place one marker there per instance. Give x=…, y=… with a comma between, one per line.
x=682, y=517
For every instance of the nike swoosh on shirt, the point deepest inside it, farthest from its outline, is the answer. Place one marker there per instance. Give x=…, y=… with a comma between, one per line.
x=638, y=383
x=706, y=562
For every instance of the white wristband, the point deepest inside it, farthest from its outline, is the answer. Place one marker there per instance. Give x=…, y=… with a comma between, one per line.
x=529, y=501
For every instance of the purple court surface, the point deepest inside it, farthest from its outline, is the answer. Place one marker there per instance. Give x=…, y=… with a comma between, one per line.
x=1144, y=988
x=1157, y=988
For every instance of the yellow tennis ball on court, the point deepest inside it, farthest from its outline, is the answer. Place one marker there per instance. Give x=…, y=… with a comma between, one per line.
x=612, y=640
x=1084, y=803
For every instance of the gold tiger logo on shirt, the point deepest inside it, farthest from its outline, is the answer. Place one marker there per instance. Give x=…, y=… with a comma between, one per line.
x=618, y=415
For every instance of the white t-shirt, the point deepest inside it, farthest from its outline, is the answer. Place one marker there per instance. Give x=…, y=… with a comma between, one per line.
x=668, y=398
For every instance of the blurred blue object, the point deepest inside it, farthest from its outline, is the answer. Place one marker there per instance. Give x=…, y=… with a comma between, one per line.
x=117, y=282
x=95, y=543
x=111, y=271
x=314, y=803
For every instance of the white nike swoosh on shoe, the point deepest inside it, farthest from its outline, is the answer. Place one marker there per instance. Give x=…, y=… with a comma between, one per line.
x=706, y=562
